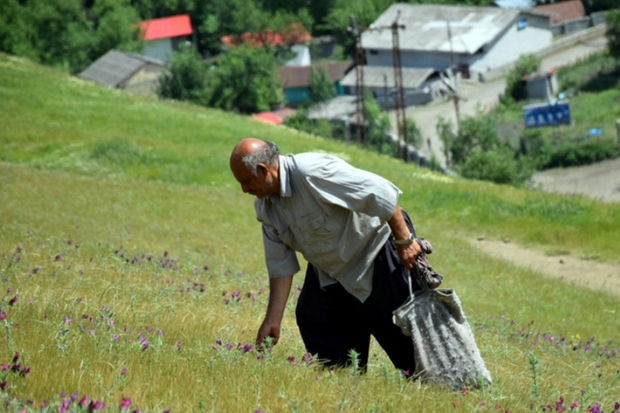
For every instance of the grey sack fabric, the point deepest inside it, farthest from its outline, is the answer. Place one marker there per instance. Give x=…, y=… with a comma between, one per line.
x=445, y=350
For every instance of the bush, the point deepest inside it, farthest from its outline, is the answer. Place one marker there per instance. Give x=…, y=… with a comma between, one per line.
x=574, y=154
x=187, y=77
x=498, y=166
x=515, y=86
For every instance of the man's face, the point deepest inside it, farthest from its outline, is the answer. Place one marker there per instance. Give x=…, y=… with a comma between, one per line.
x=260, y=186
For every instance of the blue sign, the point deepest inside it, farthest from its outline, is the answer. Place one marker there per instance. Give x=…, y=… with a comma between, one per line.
x=547, y=114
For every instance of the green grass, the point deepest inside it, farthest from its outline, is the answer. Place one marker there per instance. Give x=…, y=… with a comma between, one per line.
x=119, y=219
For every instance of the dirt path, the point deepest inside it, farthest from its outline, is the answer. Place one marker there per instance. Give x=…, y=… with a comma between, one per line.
x=590, y=274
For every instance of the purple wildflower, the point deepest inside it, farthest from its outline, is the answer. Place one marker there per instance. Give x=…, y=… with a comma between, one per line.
x=125, y=403
x=13, y=300
x=58, y=257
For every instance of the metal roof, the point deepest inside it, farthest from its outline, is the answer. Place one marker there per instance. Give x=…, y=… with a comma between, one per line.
x=382, y=76
x=299, y=76
x=426, y=27
x=515, y=4
x=115, y=67
x=166, y=27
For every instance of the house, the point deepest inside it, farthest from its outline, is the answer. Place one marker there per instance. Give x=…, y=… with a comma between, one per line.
x=420, y=85
x=295, y=80
x=126, y=71
x=163, y=36
x=473, y=39
x=294, y=36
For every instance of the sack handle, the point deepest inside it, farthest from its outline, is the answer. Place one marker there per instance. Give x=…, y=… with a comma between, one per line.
x=416, y=273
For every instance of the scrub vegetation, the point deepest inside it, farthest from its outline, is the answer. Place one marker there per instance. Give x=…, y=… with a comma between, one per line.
x=132, y=274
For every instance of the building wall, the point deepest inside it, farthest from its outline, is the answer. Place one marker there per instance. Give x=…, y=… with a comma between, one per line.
x=145, y=81
x=160, y=49
x=514, y=43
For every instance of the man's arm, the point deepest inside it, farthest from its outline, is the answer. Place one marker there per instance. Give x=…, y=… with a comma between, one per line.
x=279, y=291
x=407, y=252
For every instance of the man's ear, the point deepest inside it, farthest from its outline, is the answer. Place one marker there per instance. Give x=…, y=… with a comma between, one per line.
x=262, y=170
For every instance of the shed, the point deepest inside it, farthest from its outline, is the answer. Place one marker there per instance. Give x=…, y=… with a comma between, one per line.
x=163, y=36
x=126, y=71
x=420, y=85
x=542, y=85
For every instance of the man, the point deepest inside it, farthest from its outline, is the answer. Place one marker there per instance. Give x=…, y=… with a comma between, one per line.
x=349, y=227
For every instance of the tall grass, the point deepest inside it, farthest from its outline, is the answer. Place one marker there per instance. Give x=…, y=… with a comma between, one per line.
x=132, y=270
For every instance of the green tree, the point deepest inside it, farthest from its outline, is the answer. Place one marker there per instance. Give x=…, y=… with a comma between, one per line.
x=322, y=88
x=15, y=30
x=187, y=78
x=114, y=27
x=378, y=123
x=613, y=32
x=515, y=86
x=245, y=80
x=62, y=32
x=445, y=131
x=414, y=134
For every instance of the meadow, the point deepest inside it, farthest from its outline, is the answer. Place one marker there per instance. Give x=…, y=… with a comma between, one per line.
x=132, y=275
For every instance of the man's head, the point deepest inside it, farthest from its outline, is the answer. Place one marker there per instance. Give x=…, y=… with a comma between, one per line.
x=254, y=163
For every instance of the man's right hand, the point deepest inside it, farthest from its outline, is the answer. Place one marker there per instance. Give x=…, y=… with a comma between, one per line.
x=268, y=329
x=279, y=290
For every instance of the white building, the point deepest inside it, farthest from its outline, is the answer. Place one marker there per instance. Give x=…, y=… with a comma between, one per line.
x=473, y=39
x=163, y=36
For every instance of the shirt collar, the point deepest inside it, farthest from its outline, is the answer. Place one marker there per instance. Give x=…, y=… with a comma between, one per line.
x=285, y=182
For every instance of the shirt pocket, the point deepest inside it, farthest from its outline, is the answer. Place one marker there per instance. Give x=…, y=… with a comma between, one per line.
x=315, y=223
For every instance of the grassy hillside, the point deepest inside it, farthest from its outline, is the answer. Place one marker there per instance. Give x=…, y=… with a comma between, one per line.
x=137, y=265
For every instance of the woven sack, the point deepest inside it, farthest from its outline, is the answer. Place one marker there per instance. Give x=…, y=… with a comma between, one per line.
x=445, y=349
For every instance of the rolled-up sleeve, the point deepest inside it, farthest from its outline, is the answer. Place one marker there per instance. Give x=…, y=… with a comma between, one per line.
x=280, y=259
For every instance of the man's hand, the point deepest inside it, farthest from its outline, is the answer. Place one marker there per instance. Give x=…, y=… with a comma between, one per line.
x=279, y=290
x=409, y=253
x=268, y=329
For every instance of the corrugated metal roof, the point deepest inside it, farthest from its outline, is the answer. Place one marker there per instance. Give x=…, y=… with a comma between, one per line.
x=380, y=76
x=427, y=27
x=114, y=67
x=299, y=76
x=166, y=27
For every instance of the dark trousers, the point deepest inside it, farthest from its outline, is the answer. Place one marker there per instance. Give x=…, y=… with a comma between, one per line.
x=332, y=322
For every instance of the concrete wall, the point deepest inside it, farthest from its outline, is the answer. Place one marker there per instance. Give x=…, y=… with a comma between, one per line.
x=513, y=44
x=145, y=81
x=556, y=46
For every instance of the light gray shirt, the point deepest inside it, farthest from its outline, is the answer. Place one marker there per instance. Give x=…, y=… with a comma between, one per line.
x=334, y=214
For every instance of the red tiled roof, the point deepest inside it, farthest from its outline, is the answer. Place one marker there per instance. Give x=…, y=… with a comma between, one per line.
x=268, y=117
x=294, y=33
x=166, y=27
x=563, y=11
x=299, y=76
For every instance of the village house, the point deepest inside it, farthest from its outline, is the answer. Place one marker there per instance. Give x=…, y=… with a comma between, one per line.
x=295, y=80
x=164, y=36
x=126, y=71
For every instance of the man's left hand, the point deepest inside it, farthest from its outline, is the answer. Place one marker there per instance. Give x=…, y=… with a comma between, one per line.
x=408, y=253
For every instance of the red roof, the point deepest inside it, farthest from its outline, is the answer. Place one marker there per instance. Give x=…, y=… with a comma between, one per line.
x=294, y=33
x=561, y=12
x=166, y=27
x=268, y=117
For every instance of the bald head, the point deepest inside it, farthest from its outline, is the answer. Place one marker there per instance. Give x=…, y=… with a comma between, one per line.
x=254, y=163
x=251, y=152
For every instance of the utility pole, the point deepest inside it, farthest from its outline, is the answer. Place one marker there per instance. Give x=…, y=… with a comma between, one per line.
x=452, y=78
x=359, y=82
x=399, y=93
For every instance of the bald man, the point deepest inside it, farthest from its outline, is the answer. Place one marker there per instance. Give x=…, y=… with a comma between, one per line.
x=359, y=245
